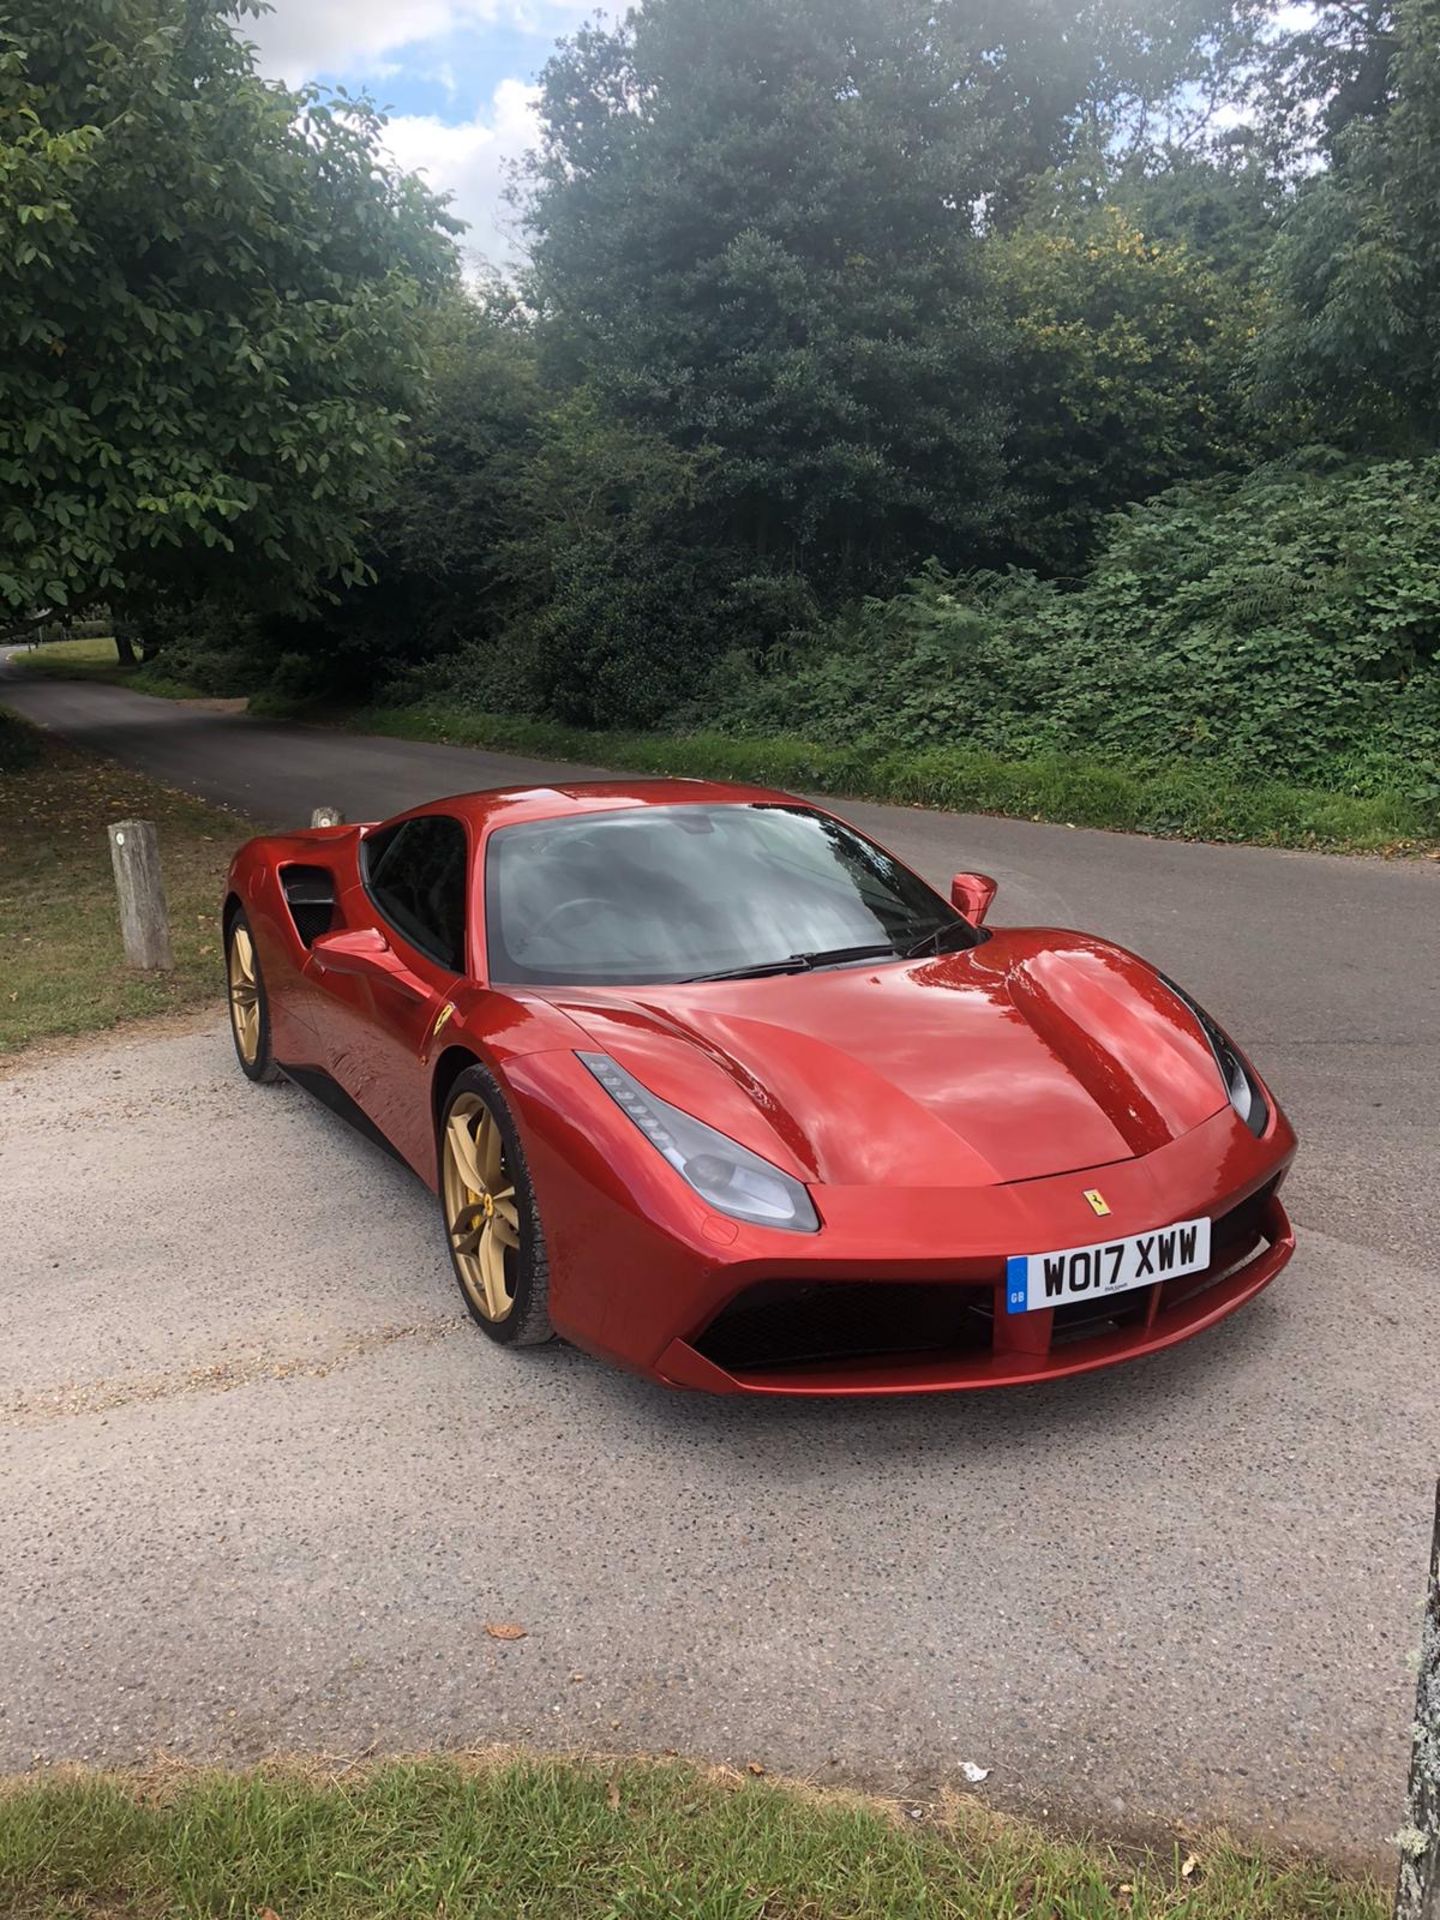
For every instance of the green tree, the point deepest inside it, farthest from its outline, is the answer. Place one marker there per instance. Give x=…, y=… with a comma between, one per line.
x=438, y=553
x=1223, y=204
x=1353, y=352
x=624, y=586
x=1332, y=67
x=753, y=233
x=210, y=311
x=1059, y=86
x=1122, y=374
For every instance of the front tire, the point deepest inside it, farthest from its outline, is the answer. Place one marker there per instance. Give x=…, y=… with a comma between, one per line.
x=492, y=1223
x=249, y=1008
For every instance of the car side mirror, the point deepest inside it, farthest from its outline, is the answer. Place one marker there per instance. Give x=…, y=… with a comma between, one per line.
x=971, y=894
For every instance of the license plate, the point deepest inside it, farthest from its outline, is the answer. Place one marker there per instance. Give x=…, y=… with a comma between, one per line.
x=1036, y=1280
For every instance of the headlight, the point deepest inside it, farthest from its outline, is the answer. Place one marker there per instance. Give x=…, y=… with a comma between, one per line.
x=726, y=1175
x=1245, y=1096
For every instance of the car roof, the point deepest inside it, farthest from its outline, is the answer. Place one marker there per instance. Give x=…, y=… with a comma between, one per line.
x=506, y=806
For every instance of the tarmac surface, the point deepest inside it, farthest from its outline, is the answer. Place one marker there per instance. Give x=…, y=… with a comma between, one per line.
x=263, y=1487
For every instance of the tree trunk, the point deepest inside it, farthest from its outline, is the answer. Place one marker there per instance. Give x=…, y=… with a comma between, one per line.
x=1417, y=1897
x=125, y=644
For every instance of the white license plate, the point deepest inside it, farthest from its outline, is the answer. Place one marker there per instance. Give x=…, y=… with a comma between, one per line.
x=1035, y=1280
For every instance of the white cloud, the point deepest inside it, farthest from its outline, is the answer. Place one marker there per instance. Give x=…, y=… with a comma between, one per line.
x=300, y=38
x=468, y=160
x=376, y=43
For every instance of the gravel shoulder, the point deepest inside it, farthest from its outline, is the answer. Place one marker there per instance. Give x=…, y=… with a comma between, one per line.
x=269, y=1486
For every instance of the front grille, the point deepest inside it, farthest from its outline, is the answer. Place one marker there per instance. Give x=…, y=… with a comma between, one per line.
x=796, y=1324
x=1243, y=1225
x=1085, y=1319
x=1233, y=1239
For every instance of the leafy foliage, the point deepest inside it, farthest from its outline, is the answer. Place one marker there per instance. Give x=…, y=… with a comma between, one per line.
x=621, y=579
x=1331, y=70
x=1223, y=206
x=1354, y=347
x=438, y=552
x=209, y=299
x=1284, y=626
x=826, y=295
x=751, y=226
x=1124, y=357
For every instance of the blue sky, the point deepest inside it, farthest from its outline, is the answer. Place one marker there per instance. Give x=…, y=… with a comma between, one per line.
x=457, y=75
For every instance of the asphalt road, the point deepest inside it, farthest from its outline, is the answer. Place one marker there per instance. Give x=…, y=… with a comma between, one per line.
x=263, y=1486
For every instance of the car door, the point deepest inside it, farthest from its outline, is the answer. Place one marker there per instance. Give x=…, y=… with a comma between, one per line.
x=382, y=986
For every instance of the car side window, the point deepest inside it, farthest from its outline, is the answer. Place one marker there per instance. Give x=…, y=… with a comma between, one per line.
x=416, y=876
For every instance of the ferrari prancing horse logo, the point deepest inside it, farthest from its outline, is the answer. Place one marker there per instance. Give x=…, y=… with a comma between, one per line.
x=1098, y=1203
x=446, y=1014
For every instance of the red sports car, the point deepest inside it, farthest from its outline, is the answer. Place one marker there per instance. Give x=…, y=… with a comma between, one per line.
x=715, y=1087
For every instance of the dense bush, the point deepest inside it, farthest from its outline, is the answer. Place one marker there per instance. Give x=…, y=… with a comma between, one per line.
x=1286, y=626
x=1197, y=800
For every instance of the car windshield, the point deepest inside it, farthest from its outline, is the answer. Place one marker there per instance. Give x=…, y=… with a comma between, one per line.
x=661, y=894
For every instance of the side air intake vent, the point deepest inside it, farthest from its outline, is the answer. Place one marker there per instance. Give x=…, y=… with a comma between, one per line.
x=310, y=896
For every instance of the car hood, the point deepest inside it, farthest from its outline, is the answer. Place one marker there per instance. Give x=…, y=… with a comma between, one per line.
x=1037, y=1052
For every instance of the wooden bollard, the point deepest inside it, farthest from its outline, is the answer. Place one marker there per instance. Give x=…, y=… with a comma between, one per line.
x=144, y=921
x=327, y=817
x=1417, y=1896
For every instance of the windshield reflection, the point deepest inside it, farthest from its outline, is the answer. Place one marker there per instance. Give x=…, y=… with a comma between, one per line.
x=651, y=895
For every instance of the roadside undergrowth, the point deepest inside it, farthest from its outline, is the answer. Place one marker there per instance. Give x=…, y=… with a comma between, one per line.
x=1186, y=803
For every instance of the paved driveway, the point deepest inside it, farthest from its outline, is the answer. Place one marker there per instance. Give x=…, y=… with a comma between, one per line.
x=264, y=1487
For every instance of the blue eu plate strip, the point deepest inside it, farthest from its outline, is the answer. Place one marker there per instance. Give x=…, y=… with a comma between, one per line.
x=1015, y=1294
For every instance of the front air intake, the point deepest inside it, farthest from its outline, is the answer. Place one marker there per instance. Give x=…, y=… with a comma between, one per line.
x=790, y=1324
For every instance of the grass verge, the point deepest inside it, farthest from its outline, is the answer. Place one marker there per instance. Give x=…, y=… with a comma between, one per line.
x=97, y=660
x=62, y=966
x=628, y=1840
x=1180, y=803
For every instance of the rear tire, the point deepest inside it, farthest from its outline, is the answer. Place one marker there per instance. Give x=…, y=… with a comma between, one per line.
x=492, y=1222
x=249, y=1007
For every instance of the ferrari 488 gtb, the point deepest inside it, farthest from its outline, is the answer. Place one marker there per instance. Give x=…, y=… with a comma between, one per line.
x=715, y=1087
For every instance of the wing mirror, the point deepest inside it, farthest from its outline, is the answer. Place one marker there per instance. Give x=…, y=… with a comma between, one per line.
x=971, y=894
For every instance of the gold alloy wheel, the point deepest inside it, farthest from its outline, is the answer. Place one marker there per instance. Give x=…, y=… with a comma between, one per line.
x=481, y=1209
x=244, y=993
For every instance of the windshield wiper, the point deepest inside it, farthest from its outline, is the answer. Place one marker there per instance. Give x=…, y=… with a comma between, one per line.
x=932, y=942
x=798, y=963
